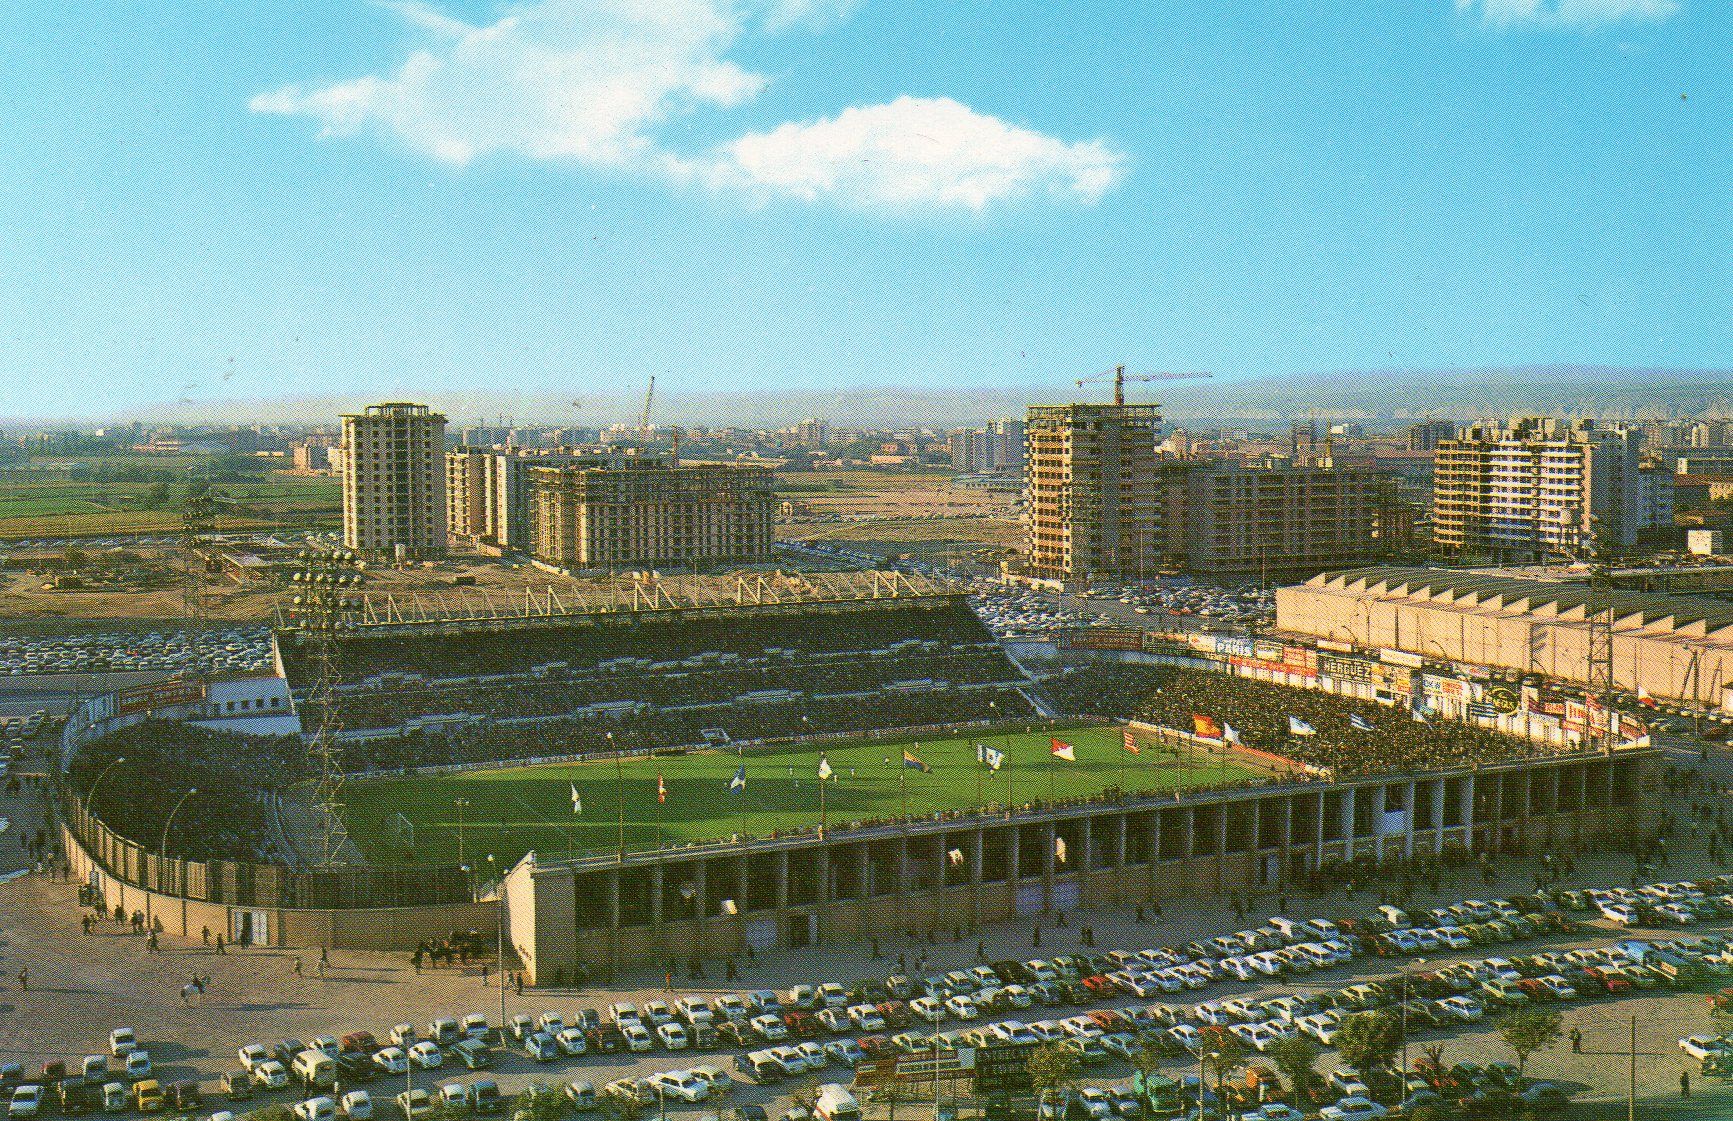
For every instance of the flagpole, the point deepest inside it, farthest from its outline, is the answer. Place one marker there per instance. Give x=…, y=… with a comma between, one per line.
x=823, y=819
x=903, y=784
x=619, y=795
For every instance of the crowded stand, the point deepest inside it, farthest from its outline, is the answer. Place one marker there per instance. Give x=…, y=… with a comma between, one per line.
x=156, y=762
x=424, y=699
x=1262, y=714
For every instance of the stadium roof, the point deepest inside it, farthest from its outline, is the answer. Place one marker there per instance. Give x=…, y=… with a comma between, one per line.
x=1478, y=590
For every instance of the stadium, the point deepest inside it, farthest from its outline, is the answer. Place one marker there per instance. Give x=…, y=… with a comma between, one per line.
x=636, y=779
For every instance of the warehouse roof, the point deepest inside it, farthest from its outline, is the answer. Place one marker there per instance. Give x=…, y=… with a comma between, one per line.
x=1473, y=589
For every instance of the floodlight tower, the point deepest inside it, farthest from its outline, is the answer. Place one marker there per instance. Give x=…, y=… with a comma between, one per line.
x=198, y=537
x=326, y=603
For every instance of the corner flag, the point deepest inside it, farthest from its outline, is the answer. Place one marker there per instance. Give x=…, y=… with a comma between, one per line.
x=661, y=788
x=737, y=784
x=1062, y=750
x=577, y=802
x=914, y=764
x=1131, y=743
x=824, y=770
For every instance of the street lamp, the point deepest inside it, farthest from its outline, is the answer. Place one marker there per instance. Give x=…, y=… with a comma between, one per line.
x=90, y=795
x=1406, y=981
x=462, y=804
x=162, y=855
x=499, y=944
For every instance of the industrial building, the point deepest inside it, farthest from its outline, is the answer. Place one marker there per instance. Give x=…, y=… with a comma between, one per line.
x=394, y=481
x=617, y=510
x=1674, y=647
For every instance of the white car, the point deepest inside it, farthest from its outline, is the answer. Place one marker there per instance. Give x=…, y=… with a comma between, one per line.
x=1274, y=1111
x=682, y=1085
x=1461, y=1009
x=357, y=1105
x=415, y=1104
x=252, y=1055
x=320, y=1108
x=403, y=1034
x=694, y=1010
x=427, y=1055
x=833, y=995
x=638, y=1037
x=572, y=1041
x=1352, y=1109
x=1700, y=1047
x=927, y=1009
x=961, y=1007
x=866, y=1018
x=835, y=1020
x=721, y=1082
x=673, y=1036
x=122, y=1040
x=1621, y=913
x=769, y=1027
x=270, y=1075
x=391, y=1060
x=657, y=1013
x=26, y=1101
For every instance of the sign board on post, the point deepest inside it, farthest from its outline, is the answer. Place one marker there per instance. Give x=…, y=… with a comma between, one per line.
x=1003, y=1069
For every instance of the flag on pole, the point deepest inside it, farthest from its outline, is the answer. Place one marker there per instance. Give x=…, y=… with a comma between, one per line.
x=1359, y=723
x=1645, y=698
x=1205, y=727
x=956, y=856
x=737, y=784
x=1298, y=727
x=1059, y=849
x=661, y=789
x=1130, y=742
x=729, y=907
x=1230, y=734
x=913, y=764
x=994, y=758
x=824, y=770
x=1062, y=750
x=577, y=802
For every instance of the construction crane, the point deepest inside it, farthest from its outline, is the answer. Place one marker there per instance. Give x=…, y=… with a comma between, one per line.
x=644, y=421
x=1120, y=377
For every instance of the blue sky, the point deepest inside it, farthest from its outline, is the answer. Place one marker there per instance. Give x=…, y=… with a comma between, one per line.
x=252, y=199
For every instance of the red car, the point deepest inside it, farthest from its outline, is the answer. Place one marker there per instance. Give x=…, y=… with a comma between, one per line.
x=895, y=1012
x=1611, y=982
x=1098, y=985
x=1111, y=1021
x=803, y=1025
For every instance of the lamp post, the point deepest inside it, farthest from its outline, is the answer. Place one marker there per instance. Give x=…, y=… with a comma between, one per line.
x=162, y=855
x=90, y=795
x=462, y=804
x=499, y=945
x=619, y=793
x=1406, y=980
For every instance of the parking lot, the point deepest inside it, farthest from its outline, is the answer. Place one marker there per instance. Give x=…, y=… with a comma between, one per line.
x=81, y=986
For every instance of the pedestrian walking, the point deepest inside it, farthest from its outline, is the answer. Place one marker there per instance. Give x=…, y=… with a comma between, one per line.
x=519, y=984
x=205, y=933
x=324, y=955
x=1684, y=1084
x=298, y=971
x=24, y=979
x=484, y=974
x=220, y=942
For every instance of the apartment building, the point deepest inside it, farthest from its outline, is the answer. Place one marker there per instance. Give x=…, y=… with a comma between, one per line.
x=614, y=510
x=1279, y=519
x=1093, y=491
x=393, y=466
x=1538, y=489
x=487, y=494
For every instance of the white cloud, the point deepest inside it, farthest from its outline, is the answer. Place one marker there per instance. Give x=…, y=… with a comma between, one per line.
x=591, y=81
x=566, y=79
x=1569, y=13
x=916, y=151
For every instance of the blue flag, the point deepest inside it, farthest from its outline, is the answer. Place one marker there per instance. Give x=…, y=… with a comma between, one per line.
x=1359, y=723
x=1298, y=727
x=737, y=784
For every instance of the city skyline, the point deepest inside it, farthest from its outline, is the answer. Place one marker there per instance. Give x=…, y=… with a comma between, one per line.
x=324, y=202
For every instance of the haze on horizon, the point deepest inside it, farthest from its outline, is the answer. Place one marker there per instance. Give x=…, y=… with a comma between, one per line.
x=772, y=202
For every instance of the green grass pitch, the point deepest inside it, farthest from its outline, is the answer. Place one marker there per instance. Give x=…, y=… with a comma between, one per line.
x=513, y=810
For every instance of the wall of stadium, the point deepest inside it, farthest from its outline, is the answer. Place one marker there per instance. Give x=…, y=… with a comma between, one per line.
x=1528, y=627
x=960, y=871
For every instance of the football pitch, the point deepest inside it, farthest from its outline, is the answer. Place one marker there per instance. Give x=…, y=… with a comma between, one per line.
x=508, y=811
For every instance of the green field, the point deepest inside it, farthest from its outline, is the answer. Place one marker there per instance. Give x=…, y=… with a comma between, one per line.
x=515, y=809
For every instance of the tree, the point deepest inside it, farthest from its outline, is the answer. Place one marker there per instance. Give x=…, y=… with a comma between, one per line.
x=1294, y=1058
x=157, y=496
x=1528, y=1030
x=1223, y=1053
x=1052, y=1069
x=1367, y=1042
x=1146, y=1060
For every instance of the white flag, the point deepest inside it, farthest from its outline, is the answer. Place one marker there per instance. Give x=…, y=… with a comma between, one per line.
x=577, y=802
x=824, y=770
x=1229, y=735
x=729, y=907
x=956, y=856
x=1059, y=849
x=994, y=759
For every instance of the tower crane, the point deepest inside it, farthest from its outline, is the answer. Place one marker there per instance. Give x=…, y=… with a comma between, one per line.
x=1119, y=377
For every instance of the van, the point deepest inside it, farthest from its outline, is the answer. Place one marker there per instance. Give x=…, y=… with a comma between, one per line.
x=314, y=1068
x=835, y=1104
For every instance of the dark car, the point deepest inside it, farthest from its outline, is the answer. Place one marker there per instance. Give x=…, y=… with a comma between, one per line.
x=237, y=1085
x=1013, y=972
x=75, y=1096
x=360, y=1042
x=606, y=1039
x=487, y=1096
x=185, y=1096
x=286, y=1050
x=731, y=1034
x=356, y=1067
x=11, y=1075
x=52, y=1072
x=750, y=1113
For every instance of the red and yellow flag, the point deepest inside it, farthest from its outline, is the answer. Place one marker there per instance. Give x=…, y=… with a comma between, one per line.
x=1206, y=727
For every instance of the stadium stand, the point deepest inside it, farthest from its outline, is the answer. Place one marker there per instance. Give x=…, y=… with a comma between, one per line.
x=1259, y=712
x=421, y=698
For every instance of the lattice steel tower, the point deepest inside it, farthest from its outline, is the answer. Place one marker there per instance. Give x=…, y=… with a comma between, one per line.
x=1600, y=668
x=198, y=534
x=326, y=604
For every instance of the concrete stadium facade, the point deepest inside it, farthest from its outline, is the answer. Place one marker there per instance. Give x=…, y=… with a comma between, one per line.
x=1674, y=647
x=706, y=901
